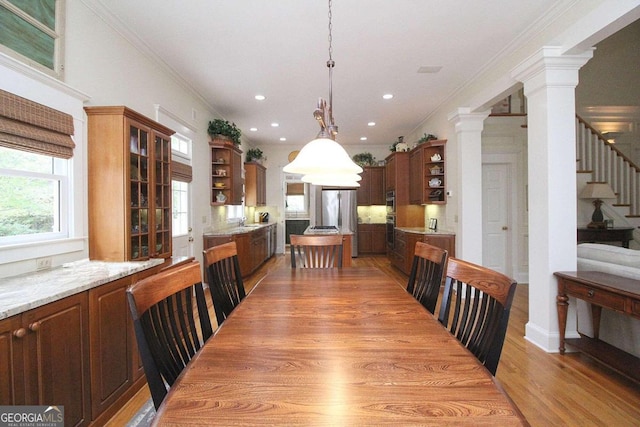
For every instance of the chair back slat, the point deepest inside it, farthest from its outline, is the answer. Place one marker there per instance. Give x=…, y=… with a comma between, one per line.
x=481, y=300
x=171, y=323
x=316, y=251
x=427, y=274
x=223, y=274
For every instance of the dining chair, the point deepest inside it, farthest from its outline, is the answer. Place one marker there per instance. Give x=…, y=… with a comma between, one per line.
x=316, y=251
x=169, y=329
x=427, y=274
x=222, y=270
x=481, y=300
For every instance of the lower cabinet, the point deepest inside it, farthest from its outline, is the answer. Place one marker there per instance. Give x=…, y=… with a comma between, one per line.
x=45, y=358
x=372, y=239
x=254, y=247
x=402, y=254
x=79, y=352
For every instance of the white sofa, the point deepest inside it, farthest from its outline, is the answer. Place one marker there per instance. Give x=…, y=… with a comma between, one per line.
x=616, y=329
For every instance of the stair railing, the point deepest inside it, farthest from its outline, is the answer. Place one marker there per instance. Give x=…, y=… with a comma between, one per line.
x=608, y=164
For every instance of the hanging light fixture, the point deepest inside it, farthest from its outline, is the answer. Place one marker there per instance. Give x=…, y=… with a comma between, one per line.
x=323, y=161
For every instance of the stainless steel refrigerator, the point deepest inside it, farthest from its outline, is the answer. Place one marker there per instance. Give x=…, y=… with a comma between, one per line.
x=339, y=207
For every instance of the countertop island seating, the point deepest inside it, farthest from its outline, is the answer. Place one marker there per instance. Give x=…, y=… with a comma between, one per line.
x=316, y=251
x=481, y=300
x=162, y=308
x=427, y=274
x=223, y=275
x=358, y=350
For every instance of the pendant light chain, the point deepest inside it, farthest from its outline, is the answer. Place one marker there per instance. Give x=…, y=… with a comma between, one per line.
x=330, y=36
x=332, y=128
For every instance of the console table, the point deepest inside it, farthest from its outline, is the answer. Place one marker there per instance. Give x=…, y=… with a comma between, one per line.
x=615, y=234
x=600, y=290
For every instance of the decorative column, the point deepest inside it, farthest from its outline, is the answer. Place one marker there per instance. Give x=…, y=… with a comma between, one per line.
x=468, y=128
x=549, y=81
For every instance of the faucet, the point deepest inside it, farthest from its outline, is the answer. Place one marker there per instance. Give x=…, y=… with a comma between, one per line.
x=242, y=221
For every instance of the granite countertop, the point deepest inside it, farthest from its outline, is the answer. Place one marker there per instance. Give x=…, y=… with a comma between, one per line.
x=27, y=291
x=239, y=229
x=423, y=230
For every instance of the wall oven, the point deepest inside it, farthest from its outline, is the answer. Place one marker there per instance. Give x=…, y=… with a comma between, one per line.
x=391, y=225
x=391, y=202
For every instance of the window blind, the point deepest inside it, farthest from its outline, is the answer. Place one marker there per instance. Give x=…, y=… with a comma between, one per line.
x=28, y=126
x=181, y=172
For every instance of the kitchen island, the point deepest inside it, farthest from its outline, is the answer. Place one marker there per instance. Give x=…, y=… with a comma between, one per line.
x=347, y=240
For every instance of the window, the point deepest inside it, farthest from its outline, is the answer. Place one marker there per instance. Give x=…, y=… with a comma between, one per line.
x=32, y=32
x=180, y=206
x=35, y=197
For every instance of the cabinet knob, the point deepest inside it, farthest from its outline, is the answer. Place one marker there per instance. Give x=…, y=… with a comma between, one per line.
x=591, y=293
x=34, y=327
x=19, y=333
x=504, y=227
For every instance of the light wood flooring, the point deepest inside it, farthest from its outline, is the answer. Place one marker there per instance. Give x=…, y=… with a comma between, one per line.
x=549, y=389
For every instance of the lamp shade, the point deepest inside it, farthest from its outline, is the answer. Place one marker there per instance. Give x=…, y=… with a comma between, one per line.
x=322, y=156
x=597, y=190
x=333, y=179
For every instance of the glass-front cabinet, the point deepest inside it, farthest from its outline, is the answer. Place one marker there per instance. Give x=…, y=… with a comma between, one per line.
x=129, y=185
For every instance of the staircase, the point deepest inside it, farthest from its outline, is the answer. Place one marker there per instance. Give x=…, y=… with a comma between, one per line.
x=605, y=163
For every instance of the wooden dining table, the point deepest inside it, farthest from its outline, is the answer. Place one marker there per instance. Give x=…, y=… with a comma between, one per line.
x=334, y=347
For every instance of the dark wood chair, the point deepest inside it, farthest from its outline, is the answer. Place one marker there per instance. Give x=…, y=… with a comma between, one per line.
x=223, y=275
x=169, y=329
x=427, y=274
x=316, y=251
x=475, y=308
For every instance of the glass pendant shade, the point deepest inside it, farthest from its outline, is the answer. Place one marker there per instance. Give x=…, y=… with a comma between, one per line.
x=323, y=156
x=333, y=179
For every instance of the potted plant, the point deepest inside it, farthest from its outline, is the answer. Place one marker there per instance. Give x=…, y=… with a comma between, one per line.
x=426, y=138
x=255, y=155
x=222, y=129
x=364, y=159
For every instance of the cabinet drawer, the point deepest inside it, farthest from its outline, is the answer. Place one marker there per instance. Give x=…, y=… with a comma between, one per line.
x=597, y=296
x=635, y=308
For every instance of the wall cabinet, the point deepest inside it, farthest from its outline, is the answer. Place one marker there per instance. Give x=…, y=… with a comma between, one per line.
x=427, y=167
x=372, y=186
x=397, y=176
x=255, y=177
x=226, y=174
x=372, y=239
x=45, y=358
x=129, y=164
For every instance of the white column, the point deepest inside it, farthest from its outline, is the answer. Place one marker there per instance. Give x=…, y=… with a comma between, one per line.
x=468, y=128
x=549, y=84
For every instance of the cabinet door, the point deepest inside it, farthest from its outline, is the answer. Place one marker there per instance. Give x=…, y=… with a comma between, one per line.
x=12, y=336
x=161, y=221
x=364, y=191
x=378, y=238
x=237, y=183
x=417, y=184
x=377, y=185
x=365, y=245
x=245, y=259
x=57, y=357
x=444, y=241
x=140, y=196
x=111, y=344
x=390, y=173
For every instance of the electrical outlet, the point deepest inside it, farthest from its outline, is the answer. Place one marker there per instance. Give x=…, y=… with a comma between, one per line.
x=43, y=263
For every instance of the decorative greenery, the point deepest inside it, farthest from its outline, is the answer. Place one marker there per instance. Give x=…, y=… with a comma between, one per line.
x=254, y=154
x=223, y=127
x=426, y=138
x=364, y=159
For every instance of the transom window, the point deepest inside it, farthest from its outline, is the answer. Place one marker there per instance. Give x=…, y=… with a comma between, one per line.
x=32, y=32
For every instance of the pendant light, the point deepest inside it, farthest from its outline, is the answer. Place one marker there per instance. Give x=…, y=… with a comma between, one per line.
x=323, y=161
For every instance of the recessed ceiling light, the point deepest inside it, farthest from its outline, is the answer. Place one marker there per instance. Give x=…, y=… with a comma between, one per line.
x=260, y=97
x=363, y=138
x=387, y=96
x=429, y=69
x=253, y=129
x=274, y=125
x=371, y=124
x=283, y=139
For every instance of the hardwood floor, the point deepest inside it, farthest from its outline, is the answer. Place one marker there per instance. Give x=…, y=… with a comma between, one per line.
x=549, y=389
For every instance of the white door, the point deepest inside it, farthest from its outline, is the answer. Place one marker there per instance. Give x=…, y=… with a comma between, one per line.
x=496, y=217
x=182, y=226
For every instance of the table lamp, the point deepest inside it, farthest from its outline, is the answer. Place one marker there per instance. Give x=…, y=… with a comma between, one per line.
x=597, y=191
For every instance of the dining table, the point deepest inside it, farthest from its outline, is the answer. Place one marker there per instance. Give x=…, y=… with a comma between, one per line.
x=345, y=347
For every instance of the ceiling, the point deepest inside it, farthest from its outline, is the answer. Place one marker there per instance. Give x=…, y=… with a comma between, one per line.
x=229, y=51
